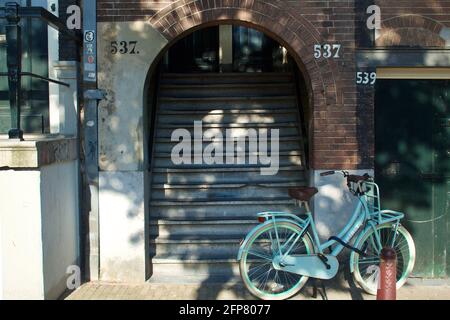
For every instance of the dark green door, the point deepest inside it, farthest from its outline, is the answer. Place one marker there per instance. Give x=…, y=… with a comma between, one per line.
x=412, y=163
x=35, y=99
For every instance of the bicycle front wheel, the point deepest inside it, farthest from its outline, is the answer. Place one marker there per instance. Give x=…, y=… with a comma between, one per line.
x=366, y=269
x=256, y=265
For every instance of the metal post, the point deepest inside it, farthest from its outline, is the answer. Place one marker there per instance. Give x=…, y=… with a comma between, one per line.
x=387, y=289
x=14, y=63
x=91, y=135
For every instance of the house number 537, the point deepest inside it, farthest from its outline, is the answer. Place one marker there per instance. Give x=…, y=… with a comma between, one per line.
x=124, y=47
x=327, y=51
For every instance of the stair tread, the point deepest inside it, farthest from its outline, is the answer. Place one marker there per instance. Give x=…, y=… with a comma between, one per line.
x=228, y=99
x=167, y=259
x=224, y=185
x=225, y=74
x=280, y=153
x=221, y=202
x=229, y=111
x=189, y=86
x=235, y=168
x=209, y=239
x=157, y=222
x=288, y=138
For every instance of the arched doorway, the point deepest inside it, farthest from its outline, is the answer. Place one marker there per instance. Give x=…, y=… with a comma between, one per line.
x=203, y=191
x=125, y=119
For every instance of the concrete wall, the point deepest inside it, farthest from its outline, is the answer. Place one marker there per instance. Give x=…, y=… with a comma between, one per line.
x=122, y=123
x=333, y=205
x=39, y=217
x=60, y=224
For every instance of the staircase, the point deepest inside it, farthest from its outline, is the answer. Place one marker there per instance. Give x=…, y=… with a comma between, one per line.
x=199, y=213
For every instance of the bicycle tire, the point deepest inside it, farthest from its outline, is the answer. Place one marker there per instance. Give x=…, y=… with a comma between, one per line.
x=245, y=268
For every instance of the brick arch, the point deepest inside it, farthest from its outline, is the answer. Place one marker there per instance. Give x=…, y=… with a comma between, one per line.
x=296, y=33
x=411, y=30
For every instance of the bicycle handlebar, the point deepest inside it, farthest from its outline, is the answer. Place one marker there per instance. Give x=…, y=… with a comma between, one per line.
x=327, y=173
x=350, y=177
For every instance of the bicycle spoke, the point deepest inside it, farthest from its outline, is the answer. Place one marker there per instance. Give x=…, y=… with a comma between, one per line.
x=260, y=254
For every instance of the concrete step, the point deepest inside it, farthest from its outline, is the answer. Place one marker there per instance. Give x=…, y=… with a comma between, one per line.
x=227, y=103
x=248, y=192
x=194, y=249
x=294, y=174
x=201, y=269
x=217, y=210
x=166, y=162
x=169, y=229
x=225, y=120
x=225, y=78
x=285, y=131
x=166, y=145
x=226, y=90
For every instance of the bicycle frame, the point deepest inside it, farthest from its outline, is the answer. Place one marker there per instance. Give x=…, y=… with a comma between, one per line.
x=363, y=214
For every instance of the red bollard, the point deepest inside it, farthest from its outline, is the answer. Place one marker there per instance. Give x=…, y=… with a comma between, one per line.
x=387, y=287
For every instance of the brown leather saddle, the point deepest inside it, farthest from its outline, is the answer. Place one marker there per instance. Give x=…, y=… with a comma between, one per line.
x=302, y=193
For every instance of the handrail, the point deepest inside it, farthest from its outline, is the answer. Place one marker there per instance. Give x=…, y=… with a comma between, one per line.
x=13, y=13
x=33, y=75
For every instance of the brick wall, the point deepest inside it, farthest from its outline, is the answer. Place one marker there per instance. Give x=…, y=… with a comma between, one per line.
x=414, y=23
x=342, y=122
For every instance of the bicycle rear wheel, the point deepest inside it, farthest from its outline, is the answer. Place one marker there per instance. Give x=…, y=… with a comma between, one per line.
x=366, y=269
x=256, y=265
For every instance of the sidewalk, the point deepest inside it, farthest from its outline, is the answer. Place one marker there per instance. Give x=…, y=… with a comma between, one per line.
x=415, y=289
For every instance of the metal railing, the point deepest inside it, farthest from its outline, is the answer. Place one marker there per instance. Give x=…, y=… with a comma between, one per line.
x=13, y=13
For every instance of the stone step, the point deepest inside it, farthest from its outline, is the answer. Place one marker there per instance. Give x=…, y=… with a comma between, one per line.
x=292, y=174
x=217, y=210
x=225, y=78
x=226, y=90
x=169, y=229
x=244, y=191
x=227, y=103
x=285, y=131
x=201, y=269
x=289, y=143
x=194, y=249
x=229, y=120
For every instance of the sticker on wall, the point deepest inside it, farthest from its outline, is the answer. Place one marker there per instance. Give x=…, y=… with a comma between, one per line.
x=89, y=36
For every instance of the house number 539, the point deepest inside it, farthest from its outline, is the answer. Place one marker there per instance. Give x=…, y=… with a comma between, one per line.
x=366, y=78
x=124, y=47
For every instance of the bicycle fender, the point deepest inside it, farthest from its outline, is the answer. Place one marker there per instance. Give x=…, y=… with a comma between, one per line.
x=250, y=234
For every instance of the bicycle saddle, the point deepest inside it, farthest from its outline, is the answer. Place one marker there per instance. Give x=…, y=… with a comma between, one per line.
x=302, y=193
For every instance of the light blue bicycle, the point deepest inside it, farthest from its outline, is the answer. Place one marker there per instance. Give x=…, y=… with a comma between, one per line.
x=278, y=256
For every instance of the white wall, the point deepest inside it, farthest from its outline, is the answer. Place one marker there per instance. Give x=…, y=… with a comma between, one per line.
x=39, y=230
x=20, y=221
x=60, y=224
x=334, y=204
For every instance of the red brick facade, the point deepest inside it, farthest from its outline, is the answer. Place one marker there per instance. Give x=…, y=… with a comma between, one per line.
x=415, y=23
x=342, y=123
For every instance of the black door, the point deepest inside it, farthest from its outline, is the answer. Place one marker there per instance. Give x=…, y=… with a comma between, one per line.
x=197, y=52
x=412, y=163
x=253, y=51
